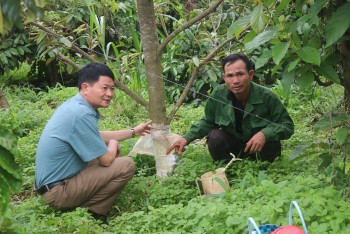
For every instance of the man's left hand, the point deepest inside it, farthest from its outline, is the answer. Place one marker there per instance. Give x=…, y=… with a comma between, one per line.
x=256, y=143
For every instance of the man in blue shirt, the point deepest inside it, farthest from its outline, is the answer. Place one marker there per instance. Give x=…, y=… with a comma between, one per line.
x=76, y=164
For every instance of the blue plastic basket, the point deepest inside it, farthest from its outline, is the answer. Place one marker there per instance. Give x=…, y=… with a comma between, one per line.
x=262, y=229
x=267, y=228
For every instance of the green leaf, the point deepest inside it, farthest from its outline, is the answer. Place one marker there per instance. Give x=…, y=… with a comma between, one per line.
x=347, y=168
x=135, y=38
x=258, y=19
x=41, y=36
x=329, y=73
x=261, y=38
x=287, y=80
x=27, y=50
x=331, y=122
x=315, y=42
x=249, y=36
x=341, y=135
x=20, y=50
x=331, y=60
x=326, y=160
x=221, y=183
x=7, y=53
x=297, y=150
x=296, y=40
x=267, y=3
x=263, y=59
x=283, y=4
x=338, y=24
x=212, y=75
x=49, y=60
x=13, y=184
x=3, y=59
x=279, y=51
x=12, y=10
x=237, y=26
x=317, y=6
x=4, y=195
x=195, y=61
x=40, y=3
x=14, y=51
x=10, y=178
x=305, y=80
x=66, y=42
x=309, y=55
x=293, y=64
x=7, y=163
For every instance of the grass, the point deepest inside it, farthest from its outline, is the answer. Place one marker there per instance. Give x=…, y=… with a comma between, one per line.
x=150, y=204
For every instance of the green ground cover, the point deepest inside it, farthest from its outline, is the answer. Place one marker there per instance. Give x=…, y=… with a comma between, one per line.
x=150, y=204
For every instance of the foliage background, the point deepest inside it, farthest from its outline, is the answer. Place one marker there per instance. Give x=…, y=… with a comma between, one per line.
x=294, y=46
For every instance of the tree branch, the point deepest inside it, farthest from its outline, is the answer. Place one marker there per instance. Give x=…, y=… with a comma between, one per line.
x=67, y=60
x=118, y=84
x=140, y=100
x=322, y=83
x=74, y=47
x=188, y=24
x=194, y=74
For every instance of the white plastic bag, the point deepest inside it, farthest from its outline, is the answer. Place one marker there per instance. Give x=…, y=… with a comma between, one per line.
x=156, y=144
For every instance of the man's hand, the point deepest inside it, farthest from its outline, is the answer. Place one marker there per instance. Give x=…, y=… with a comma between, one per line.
x=113, y=152
x=178, y=145
x=256, y=143
x=143, y=128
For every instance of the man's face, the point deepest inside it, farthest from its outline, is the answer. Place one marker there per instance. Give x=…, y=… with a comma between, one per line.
x=237, y=78
x=99, y=94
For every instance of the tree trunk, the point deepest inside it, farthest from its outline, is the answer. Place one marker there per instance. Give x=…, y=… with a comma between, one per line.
x=190, y=5
x=345, y=60
x=152, y=60
x=3, y=101
x=52, y=73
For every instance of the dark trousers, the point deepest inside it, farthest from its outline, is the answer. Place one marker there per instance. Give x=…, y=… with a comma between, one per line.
x=221, y=144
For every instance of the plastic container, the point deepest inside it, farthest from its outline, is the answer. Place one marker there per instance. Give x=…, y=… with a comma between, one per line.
x=165, y=165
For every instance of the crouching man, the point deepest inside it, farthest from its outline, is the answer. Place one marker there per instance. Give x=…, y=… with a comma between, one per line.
x=76, y=164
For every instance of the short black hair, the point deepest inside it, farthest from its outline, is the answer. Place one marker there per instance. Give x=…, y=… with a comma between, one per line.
x=234, y=57
x=91, y=73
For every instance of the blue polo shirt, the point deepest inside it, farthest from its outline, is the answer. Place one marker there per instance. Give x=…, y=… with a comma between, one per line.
x=69, y=141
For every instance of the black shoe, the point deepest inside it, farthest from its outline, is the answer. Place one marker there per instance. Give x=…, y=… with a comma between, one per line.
x=100, y=217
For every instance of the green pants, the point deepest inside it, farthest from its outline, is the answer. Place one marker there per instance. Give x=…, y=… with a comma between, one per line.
x=221, y=144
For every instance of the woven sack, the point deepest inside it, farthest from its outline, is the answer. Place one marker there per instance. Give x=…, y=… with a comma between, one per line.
x=215, y=182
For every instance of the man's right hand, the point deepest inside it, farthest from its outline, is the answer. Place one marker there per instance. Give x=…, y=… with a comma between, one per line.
x=178, y=145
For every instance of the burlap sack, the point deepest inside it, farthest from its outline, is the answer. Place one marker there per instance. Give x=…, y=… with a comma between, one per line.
x=215, y=182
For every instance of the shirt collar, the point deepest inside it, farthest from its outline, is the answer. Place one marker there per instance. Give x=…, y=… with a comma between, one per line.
x=83, y=101
x=253, y=97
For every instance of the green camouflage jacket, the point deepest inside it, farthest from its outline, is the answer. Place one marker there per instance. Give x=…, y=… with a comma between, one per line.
x=263, y=112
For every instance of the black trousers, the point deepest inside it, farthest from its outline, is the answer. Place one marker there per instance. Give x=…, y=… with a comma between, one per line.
x=221, y=144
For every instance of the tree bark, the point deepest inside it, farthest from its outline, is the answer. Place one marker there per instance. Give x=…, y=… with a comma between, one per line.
x=3, y=101
x=190, y=5
x=52, y=73
x=345, y=61
x=150, y=44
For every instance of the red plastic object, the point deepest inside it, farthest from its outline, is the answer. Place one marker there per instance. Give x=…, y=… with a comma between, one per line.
x=288, y=230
